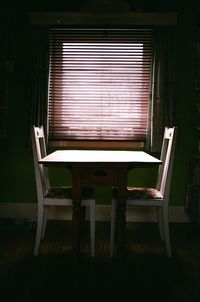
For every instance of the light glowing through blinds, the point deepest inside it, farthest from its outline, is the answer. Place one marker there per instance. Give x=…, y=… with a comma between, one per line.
x=100, y=90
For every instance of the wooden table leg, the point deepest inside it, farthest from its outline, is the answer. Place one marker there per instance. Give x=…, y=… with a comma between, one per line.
x=120, y=228
x=76, y=215
x=121, y=213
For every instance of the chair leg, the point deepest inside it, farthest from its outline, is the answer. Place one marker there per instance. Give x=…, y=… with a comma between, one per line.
x=40, y=217
x=112, y=230
x=92, y=226
x=46, y=210
x=166, y=232
x=160, y=222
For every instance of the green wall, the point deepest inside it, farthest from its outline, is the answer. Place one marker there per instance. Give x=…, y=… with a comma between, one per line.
x=17, y=174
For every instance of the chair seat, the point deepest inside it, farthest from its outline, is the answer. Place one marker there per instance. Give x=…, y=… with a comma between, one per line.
x=60, y=192
x=140, y=193
x=143, y=193
x=66, y=193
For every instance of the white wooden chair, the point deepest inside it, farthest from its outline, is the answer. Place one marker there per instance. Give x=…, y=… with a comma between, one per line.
x=153, y=197
x=57, y=196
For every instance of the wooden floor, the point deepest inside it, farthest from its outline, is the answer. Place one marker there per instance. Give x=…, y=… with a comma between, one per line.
x=145, y=273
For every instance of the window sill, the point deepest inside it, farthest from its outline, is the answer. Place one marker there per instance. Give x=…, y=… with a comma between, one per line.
x=97, y=144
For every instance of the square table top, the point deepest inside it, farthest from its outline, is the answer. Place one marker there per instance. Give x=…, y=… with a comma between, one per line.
x=99, y=156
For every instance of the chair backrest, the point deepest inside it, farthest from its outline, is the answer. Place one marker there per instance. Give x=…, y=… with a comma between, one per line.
x=39, y=151
x=167, y=158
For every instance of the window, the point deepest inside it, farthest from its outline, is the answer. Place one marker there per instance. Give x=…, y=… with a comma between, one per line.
x=99, y=84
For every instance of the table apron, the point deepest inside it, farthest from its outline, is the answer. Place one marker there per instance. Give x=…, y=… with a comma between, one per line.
x=101, y=176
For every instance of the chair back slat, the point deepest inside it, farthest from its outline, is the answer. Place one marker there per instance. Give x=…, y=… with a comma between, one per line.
x=39, y=151
x=167, y=158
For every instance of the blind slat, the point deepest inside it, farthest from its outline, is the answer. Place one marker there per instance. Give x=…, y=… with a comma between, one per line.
x=99, y=84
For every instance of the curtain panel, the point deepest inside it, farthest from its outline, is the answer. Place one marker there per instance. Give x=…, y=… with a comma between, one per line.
x=162, y=102
x=39, y=78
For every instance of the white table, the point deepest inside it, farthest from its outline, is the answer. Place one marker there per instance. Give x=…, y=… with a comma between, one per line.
x=99, y=168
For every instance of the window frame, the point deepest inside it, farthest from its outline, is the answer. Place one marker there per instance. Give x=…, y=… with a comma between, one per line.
x=116, y=144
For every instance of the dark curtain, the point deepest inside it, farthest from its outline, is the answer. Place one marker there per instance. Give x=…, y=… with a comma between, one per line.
x=162, y=104
x=39, y=78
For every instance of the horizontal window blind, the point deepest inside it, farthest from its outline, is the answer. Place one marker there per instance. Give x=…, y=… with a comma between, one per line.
x=99, y=84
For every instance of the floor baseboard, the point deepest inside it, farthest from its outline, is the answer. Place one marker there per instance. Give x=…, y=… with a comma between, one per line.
x=29, y=211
